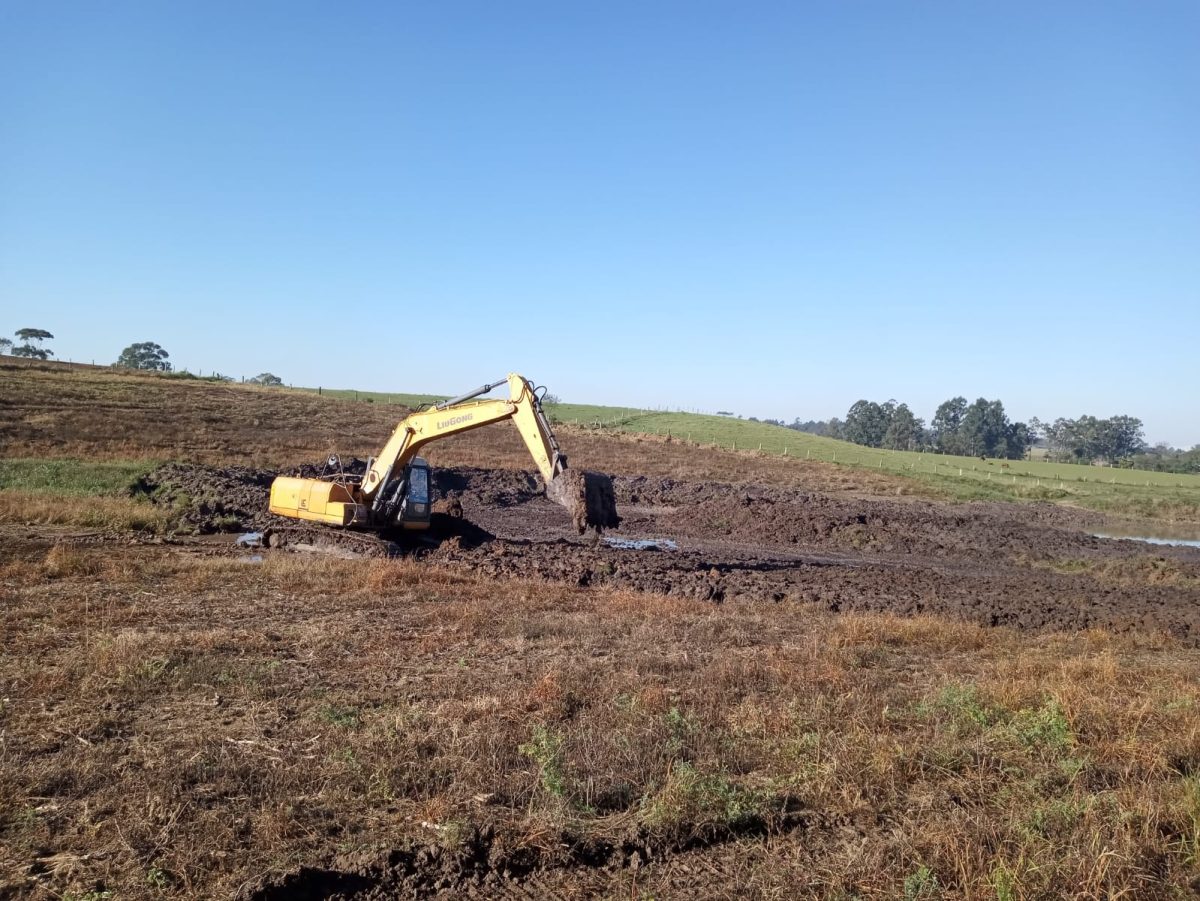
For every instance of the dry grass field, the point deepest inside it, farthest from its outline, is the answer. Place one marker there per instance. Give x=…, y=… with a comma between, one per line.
x=179, y=719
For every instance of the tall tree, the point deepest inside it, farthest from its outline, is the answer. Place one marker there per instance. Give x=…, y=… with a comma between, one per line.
x=984, y=429
x=866, y=423
x=1121, y=437
x=1018, y=438
x=903, y=431
x=947, y=422
x=144, y=355
x=31, y=347
x=1088, y=438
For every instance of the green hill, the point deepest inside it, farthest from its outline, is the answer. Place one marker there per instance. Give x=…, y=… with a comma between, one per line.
x=1129, y=491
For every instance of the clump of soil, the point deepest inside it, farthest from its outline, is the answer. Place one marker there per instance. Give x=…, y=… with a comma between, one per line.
x=588, y=497
x=209, y=499
x=355, y=467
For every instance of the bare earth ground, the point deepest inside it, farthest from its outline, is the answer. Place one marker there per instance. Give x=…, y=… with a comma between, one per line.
x=823, y=689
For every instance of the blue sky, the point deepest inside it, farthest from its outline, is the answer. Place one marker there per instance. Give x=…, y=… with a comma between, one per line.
x=772, y=208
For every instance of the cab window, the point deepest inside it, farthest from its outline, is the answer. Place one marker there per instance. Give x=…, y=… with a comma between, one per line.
x=418, y=485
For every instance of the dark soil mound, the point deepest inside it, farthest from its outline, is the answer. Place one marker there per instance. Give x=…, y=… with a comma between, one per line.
x=209, y=499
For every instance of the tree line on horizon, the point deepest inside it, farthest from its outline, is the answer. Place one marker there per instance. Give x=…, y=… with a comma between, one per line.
x=983, y=429
x=145, y=356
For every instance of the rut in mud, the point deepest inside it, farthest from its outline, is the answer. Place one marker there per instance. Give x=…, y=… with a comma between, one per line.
x=1028, y=566
x=481, y=862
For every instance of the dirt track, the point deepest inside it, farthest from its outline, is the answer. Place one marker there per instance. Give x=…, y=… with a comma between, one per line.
x=1029, y=567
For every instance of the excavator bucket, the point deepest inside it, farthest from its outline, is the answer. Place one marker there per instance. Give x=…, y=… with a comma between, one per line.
x=588, y=497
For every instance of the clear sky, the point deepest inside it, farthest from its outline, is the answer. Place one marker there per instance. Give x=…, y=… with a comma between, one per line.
x=771, y=208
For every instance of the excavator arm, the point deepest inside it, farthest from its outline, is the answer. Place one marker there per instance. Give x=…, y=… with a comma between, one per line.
x=380, y=498
x=462, y=414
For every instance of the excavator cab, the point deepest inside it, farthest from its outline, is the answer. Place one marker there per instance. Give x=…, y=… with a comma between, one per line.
x=406, y=501
x=416, y=501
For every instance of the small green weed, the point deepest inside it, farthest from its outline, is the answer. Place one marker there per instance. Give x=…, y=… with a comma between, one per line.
x=158, y=878
x=1004, y=882
x=681, y=726
x=695, y=799
x=545, y=748
x=966, y=707
x=921, y=885
x=345, y=717
x=1045, y=727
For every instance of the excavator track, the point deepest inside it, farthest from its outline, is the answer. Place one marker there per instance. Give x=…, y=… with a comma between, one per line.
x=325, y=540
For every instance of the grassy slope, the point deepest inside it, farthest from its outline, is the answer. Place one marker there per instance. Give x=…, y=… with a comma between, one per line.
x=1121, y=491
x=741, y=434
x=222, y=423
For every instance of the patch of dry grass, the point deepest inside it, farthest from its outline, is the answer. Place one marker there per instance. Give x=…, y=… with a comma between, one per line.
x=113, y=514
x=1139, y=570
x=212, y=719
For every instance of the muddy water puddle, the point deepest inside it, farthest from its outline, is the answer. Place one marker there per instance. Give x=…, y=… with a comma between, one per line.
x=641, y=544
x=1152, y=539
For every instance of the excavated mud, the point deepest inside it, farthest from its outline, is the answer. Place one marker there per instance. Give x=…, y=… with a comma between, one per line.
x=1024, y=566
x=209, y=499
x=588, y=497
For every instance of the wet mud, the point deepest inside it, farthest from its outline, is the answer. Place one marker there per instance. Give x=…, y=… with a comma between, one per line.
x=1024, y=566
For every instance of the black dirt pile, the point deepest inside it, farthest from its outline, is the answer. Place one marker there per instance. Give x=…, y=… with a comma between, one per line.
x=354, y=467
x=209, y=499
x=488, y=487
x=770, y=516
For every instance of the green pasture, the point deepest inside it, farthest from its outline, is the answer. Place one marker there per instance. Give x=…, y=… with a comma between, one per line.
x=71, y=477
x=1121, y=491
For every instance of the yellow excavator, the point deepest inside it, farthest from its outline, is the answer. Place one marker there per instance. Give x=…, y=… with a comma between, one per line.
x=395, y=492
